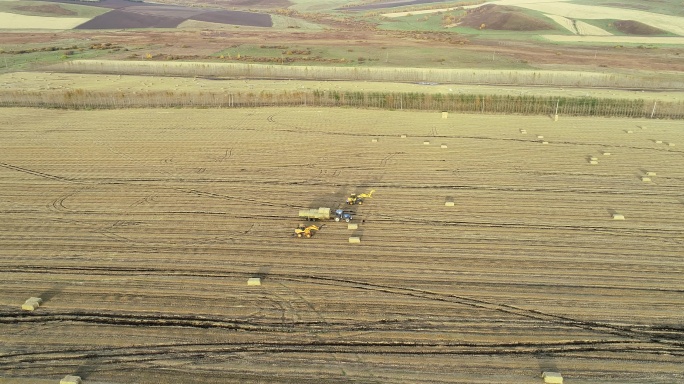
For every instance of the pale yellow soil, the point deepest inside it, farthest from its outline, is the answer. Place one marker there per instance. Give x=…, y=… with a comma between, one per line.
x=140, y=228
x=17, y=21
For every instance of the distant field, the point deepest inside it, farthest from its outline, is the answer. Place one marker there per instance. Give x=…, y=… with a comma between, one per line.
x=16, y=21
x=47, y=82
x=573, y=11
x=47, y=9
x=617, y=39
x=669, y=23
x=117, y=14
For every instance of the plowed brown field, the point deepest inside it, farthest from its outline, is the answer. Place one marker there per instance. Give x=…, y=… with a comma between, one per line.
x=140, y=228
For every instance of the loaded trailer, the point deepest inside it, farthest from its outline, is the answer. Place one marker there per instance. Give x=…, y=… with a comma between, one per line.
x=323, y=213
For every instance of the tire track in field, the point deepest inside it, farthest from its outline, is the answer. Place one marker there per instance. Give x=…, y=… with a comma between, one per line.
x=135, y=354
x=670, y=336
x=40, y=174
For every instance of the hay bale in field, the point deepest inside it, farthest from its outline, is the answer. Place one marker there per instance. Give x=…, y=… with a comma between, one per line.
x=31, y=304
x=70, y=379
x=593, y=158
x=352, y=226
x=254, y=281
x=618, y=216
x=555, y=117
x=671, y=144
x=443, y=146
x=544, y=142
x=449, y=203
x=593, y=162
x=552, y=377
x=650, y=173
x=445, y=114
x=426, y=142
x=523, y=131
x=355, y=239
x=606, y=153
x=540, y=136
x=658, y=141
x=645, y=179
x=403, y=136
x=629, y=131
x=374, y=140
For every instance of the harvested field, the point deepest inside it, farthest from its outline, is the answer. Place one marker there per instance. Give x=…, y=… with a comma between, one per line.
x=587, y=29
x=47, y=9
x=16, y=21
x=123, y=19
x=387, y=4
x=127, y=14
x=563, y=22
x=503, y=18
x=236, y=18
x=565, y=9
x=140, y=228
x=636, y=28
x=111, y=4
x=673, y=24
x=676, y=40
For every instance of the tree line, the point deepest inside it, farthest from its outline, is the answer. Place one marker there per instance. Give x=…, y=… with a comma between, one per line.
x=463, y=103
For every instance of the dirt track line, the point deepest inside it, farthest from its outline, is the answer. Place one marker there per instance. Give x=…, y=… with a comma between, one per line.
x=133, y=354
x=39, y=174
x=137, y=355
x=676, y=339
x=145, y=271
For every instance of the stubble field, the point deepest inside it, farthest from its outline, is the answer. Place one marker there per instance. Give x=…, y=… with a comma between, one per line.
x=140, y=228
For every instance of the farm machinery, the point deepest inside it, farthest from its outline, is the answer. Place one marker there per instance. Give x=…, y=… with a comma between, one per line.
x=355, y=199
x=326, y=214
x=306, y=231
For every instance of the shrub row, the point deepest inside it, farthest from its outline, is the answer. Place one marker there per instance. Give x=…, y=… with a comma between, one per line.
x=527, y=105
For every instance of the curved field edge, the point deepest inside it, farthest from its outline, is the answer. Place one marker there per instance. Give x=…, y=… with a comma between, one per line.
x=430, y=75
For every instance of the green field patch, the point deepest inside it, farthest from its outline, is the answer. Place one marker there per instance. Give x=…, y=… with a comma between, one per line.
x=317, y=5
x=665, y=7
x=623, y=27
x=30, y=56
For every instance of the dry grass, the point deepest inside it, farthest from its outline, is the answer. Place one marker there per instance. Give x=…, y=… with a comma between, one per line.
x=17, y=21
x=47, y=82
x=156, y=218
